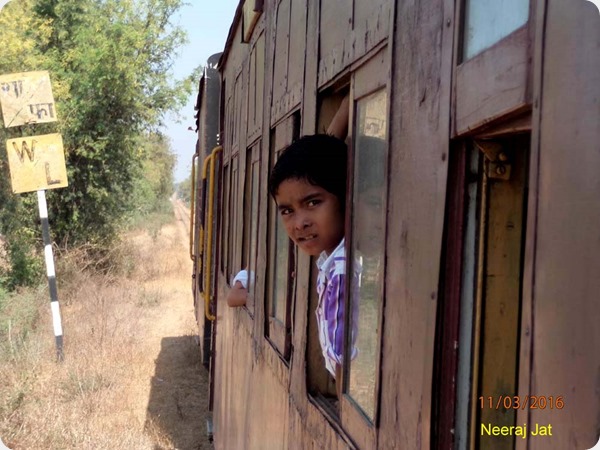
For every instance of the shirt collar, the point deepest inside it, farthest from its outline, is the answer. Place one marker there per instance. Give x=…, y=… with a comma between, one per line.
x=324, y=261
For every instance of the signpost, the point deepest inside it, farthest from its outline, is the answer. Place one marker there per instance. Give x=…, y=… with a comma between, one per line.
x=27, y=98
x=36, y=163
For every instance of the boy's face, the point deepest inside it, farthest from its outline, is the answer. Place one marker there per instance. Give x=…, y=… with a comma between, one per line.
x=311, y=216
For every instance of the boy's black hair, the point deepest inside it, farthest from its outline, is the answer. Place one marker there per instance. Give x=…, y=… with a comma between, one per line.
x=320, y=159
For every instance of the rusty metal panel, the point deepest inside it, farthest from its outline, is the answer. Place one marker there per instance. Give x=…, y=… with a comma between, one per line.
x=27, y=98
x=420, y=121
x=566, y=312
x=36, y=163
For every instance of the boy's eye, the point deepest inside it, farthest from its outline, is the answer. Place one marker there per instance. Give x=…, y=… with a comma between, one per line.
x=313, y=202
x=285, y=211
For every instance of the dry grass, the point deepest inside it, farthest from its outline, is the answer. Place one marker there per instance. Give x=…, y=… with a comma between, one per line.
x=116, y=324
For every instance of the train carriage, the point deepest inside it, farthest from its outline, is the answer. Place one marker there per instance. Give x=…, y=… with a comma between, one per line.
x=473, y=207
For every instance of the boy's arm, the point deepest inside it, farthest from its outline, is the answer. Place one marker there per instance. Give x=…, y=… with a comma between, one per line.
x=339, y=125
x=237, y=295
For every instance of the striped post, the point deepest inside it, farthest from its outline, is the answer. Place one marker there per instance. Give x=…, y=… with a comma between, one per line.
x=49, y=257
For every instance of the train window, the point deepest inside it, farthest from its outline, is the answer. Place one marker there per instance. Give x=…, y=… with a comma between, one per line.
x=488, y=21
x=367, y=249
x=225, y=225
x=492, y=75
x=237, y=112
x=281, y=252
x=320, y=383
x=256, y=88
x=251, y=214
x=480, y=289
x=233, y=214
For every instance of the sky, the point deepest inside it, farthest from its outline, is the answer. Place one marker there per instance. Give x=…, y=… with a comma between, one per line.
x=207, y=24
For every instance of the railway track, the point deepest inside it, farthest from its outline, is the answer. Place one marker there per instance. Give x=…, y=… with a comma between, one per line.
x=182, y=213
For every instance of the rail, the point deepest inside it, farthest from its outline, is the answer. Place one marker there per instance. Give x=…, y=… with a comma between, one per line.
x=211, y=203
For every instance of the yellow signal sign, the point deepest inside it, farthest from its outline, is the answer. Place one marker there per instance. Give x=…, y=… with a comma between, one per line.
x=36, y=163
x=27, y=98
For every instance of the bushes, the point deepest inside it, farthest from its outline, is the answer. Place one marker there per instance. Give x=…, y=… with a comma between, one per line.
x=110, y=65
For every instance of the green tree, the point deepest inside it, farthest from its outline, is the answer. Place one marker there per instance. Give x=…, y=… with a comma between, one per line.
x=153, y=189
x=109, y=62
x=21, y=32
x=115, y=56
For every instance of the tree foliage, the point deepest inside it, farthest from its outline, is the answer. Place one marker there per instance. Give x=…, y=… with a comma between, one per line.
x=109, y=62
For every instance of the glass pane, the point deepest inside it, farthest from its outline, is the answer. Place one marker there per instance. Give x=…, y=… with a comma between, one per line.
x=368, y=246
x=233, y=213
x=253, y=229
x=225, y=227
x=282, y=246
x=488, y=21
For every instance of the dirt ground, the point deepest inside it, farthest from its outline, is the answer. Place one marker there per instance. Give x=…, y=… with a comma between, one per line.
x=132, y=377
x=177, y=401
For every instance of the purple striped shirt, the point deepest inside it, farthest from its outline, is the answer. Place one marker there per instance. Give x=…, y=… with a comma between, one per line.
x=331, y=284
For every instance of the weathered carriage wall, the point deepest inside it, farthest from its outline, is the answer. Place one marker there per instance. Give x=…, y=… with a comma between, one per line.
x=419, y=145
x=566, y=286
x=252, y=407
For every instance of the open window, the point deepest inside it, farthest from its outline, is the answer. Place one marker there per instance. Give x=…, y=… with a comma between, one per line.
x=320, y=384
x=251, y=215
x=233, y=217
x=358, y=383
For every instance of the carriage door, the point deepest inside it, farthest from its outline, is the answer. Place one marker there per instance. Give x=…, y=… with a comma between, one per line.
x=481, y=306
x=494, y=351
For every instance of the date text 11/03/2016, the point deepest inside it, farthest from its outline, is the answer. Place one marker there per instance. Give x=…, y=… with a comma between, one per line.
x=522, y=402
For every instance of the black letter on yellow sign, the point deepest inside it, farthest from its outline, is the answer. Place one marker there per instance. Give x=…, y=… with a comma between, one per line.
x=25, y=148
x=49, y=179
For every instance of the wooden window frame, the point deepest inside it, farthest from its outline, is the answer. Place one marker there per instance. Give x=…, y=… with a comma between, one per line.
x=226, y=198
x=496, y=83
x=249, y=253
x=233, y=214
x=256, y=84
x=279, y=333
x=370, y=77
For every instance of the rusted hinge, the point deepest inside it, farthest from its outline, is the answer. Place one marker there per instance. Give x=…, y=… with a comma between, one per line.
x=497, y=165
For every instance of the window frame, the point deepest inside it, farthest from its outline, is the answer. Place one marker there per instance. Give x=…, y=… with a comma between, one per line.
x=369, y=78
x=250, y=236
x=277, y=332
x=226, y=198
x=233, y=214
x=478, y=98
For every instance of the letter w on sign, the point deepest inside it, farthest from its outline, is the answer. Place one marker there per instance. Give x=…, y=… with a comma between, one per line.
x=25, y=149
